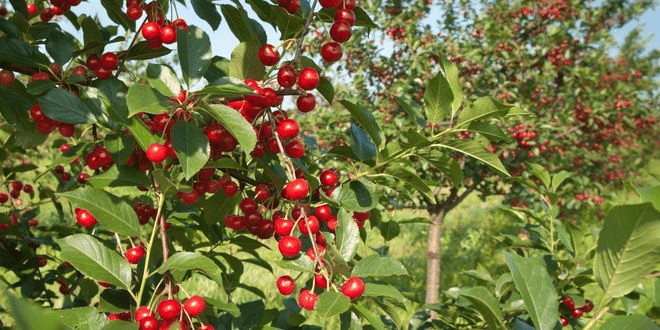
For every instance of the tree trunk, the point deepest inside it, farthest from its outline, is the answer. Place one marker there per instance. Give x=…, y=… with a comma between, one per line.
x=433, y=255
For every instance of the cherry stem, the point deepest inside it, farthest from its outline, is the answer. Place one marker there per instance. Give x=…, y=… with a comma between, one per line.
x=121, y=248
x=304, y=32
x=145, y=273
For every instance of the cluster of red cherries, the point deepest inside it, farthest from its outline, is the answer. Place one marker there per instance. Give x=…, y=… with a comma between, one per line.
x=574, y=312
x=45, y=125
x=168, y=312
x=58, y=7
x=156, y=30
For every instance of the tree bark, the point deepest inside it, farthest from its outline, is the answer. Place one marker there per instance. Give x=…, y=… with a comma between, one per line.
x=434, y=255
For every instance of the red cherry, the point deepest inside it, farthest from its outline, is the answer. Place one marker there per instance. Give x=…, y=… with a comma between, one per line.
x=320, y=281
x=349, y=4
x=157, y=152
x=330, y=3
x=168, y=34
x=568, y=302
x=283, y=226
x=16, y=185
x=331, y=52
x=323, y=213
x=206, y=327
x=563, y=320
x=188, y=198
x=4, y=198
x=307, y=299
x=66, y=130
x=261, y=192
x=329, y=178
x=576, y=313
x=134, y=12
x=289, y=246
x=155, y=43
x=151, y=31
x=229, y=187
x=308, y=79
x=28, y=189
x=268, y=55
x=340, y=31
x=295, y=149
x=169, y=309
x=134, y=254
x=353, y=288
x=345, y=15
x=306, y=102
x=82, y=178
x=105, y=284
x=588, y=306
x=194, y=305
x=93, y=61
x=296, y=189
x=79, y=70
x=109, y=61
x=7, y=77
x=286, y=76
x=309, y=226
x=180, y=24
x=248, y=205
x=148, y=323
x=102, y=73
x=287, y=129
x=40, y=76
x=31, y=8
x=142, y=312
x=85, y=219
x=46, y=14
x=286, y=285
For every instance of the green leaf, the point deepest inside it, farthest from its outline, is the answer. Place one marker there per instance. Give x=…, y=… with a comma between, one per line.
x=487, y=305
x=62, y=105
x=535, y=286
x=191, y=146
x=195, y=54
x=490, y=130
x=559, y=178
x=361, y=143
x=378, y=266
x=29, y=316
x=119, y=176
x=245, y=62
x=332, y=303
x=239, y=23
x=207, y=11
x=166, y=186
x=483, y=107
x=142, y=51
x=326, y=89
x=357, y=195
x=82, y=318
x=540, y=173
x=348, y=235
x=627, y=249
x=383, y=290
x=180, y=263
x=226, y=88
x=121, y=325
x=15, y=104
x=117, y=15
x=438, y=99
x=60, y=46
x=475, y=150
x=95, y=260
x=109, y=210
x=451, y=72
x=372, y=318
x=629, y=322
x=18, y=52
x=411, y=180
x=226, y=162
x=40, y=86
x=366, y=119
x=143, y=98
x=236, y=124
x=113, y=98
x=301, y=264
x=651, y=195
x=163, y=79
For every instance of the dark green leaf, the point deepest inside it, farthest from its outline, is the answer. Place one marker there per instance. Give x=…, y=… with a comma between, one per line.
x=207, y=11
x=484, y=302
x=194, y=48
x=245, y=62
x=491, y=131
x=121, y=325
x=163, y=79
x=541, y=174
x=483, y=107
x=109, y=210
x=361, y=143
x=326, y=89
x=629, y=322
x=40, y=86
x=332, y=303
x=301, y=264
x=142, y=51
x=438, y=99
x=378, y=266
x=411, y=179
x=236, y=124
x=383, y=290
x=357, y=195
x=18, y=52
x=180, y=263
x=113, y=98
x=348, y=235
x=82, y=318
x=372, y=318
x=117, y=15
x=225, y=89
x=60, y=46
x=62, y=105
x=475, y=150
x=535, y=286
x=143, y=98
x=95, y=260
x=120, y=176
x=627, y=249
x=366, y=120
x=651, y=195
x=29, y=316
x=451, y=72
x=239, y=24
x=191, y=146
x=15, y=104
